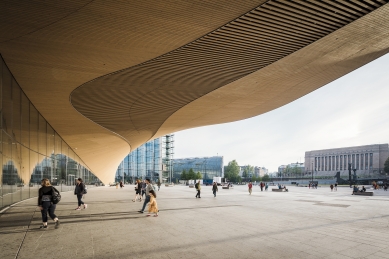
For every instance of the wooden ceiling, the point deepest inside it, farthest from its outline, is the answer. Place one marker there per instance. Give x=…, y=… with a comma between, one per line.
x=109, y=76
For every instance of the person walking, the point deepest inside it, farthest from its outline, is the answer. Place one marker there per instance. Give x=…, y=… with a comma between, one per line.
x=121, y=184
x=198, y=189
x=159, y=184
x=148, y=188
x=80, y=190
x=214, y=189
x=153, y=206
x=332, y=187
x=250, y=187
x=336, y=186
x=261, y=185
x=138, y=189
x=45, y=203
x=266, y=187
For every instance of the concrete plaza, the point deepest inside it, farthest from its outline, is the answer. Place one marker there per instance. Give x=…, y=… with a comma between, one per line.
x=303, y=223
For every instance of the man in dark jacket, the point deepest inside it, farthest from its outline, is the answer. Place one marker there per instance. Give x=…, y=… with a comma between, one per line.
x=214, y=189
x=148, y=188
x=79, y=190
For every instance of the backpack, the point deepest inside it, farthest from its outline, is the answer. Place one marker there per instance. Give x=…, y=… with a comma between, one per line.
x=85, y=191
x=55, y=196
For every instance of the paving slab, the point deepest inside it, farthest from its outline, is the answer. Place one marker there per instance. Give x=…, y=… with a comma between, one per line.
x=303, y=223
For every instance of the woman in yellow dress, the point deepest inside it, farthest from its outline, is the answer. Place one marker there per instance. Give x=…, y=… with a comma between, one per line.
x=153, y=206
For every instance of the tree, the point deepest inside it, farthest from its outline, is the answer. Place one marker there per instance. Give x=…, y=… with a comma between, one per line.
x=266, y=178
x=184, y=175
x=231, y=171
x=386, y=166
x=248, y=171
x=191, y=175
x=199, y=175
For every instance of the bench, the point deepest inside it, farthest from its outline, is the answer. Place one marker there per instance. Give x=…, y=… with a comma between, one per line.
x=279, y=190
x=363, y=193
x=169, y=185
x=191, y=186
x=226, y=187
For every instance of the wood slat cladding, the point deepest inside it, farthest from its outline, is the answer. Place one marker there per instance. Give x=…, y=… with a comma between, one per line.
x=135, y=102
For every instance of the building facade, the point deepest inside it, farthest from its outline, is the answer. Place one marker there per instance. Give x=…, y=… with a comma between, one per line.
x=30, y=149
x=209, y=167
x=152, y=160
x=368, y=161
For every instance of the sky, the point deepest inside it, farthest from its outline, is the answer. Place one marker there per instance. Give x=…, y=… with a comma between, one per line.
x=350, y=111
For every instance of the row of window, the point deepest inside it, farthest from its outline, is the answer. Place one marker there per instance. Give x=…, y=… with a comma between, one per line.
x=343, y=162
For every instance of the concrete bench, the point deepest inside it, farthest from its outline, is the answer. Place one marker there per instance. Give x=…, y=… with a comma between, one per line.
x=363, y=193
x=279, y=190
x=169, y=185
x=225, y=187
x=191, y=186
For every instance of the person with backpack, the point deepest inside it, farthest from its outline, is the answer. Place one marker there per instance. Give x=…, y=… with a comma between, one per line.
x=214, y=189
x=80, y=190
x=148, y=188
x=45, y=203
x=198, y=189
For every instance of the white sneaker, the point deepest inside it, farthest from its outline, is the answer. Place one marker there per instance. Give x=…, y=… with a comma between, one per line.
x=85, y=206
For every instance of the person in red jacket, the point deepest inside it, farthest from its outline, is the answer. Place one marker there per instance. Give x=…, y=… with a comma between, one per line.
x=250, y=187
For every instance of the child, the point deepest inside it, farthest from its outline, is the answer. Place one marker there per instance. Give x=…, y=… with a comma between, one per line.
x=153, y=207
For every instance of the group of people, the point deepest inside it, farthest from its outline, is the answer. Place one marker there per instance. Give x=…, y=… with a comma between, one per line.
x=261, y=185
x=151, y=196
x=356, y=189
x=47, y=206
x=334, y=187
x=313, y=185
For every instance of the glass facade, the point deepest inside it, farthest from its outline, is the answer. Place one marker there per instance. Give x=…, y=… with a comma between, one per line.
x=30, y=149
x=209, y=167
x=144, y=162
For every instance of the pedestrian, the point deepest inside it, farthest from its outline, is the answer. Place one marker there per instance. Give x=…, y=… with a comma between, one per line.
x=159, y=184
x=309, y=186
x=262, y=185
x=214, y=189
x=148, y=188
x=336, y=186
x=138, y=189
x=80, y=190
x=266, y=187
x=250, y=187
x=45, y=203
x=144, y=187
x=198, y=189
x=121, y=184
x=332, y=187
x=153, y=206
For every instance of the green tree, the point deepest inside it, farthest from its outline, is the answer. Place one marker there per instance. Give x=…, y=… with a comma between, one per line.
x=248, y=171
x=266, y=178
x=231, y=171
x=199, y=175
x=191, y=174
x=184, y=175
x=386, y=166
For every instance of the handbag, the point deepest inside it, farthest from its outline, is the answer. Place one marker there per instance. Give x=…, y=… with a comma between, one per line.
x=55, y=196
